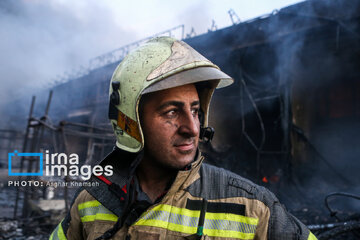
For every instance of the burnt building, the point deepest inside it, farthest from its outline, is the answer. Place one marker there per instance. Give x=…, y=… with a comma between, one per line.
x=291, y=120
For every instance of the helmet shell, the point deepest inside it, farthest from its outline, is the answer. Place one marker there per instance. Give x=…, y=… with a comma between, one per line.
x=159, y=64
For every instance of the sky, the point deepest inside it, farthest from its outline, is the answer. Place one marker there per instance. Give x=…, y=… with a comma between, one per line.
x=42, y=41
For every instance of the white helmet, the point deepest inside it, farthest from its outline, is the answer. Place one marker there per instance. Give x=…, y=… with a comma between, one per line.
x=159, y=64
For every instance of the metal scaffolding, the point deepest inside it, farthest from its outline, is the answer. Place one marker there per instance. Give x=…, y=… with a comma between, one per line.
x=42, y=134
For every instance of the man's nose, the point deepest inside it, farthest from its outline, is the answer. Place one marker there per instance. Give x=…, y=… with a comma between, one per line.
x=189, y=124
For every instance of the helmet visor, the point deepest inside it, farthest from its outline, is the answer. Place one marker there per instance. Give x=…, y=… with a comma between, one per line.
x=194, y=75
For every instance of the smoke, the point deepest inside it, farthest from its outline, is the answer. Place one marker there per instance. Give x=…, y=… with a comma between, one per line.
x=296, y=56
x=196, y=16
x=43, y=39
x=317, y=69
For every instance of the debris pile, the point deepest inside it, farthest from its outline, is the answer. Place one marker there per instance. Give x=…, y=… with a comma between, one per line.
x=36, y=227
x=19, y=230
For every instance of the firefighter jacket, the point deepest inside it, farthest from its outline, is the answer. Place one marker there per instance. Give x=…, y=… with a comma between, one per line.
x=236, y=208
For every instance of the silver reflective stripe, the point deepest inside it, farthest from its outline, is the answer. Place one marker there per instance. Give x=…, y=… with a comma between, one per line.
x=55, y=233
x=222, y=224
x=172, y=218
x=211, y=224
x=94, y=210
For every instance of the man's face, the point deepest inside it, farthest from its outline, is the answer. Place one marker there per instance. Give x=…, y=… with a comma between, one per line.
x=170, y=123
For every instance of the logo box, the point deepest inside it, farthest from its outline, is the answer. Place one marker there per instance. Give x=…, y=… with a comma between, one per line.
x=15, y=153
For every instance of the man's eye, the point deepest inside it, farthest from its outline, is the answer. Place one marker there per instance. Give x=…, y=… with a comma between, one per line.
x=195, y=111
x=170, y=113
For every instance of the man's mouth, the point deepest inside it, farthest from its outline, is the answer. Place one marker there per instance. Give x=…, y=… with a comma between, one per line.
x=185, y=146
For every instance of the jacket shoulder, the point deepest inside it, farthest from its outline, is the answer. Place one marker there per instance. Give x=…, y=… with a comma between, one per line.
x=215, y=183
x=218, y=183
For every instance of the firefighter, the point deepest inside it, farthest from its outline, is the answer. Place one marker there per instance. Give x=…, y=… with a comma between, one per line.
x=160, y=189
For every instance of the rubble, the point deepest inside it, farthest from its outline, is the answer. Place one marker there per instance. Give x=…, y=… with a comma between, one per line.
x=14, y=229
x=37, y=227
x=44, y=215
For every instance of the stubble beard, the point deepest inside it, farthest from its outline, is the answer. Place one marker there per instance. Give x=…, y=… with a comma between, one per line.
x=166, y=160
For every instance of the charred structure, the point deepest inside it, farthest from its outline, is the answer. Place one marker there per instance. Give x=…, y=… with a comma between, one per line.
x=290, y=121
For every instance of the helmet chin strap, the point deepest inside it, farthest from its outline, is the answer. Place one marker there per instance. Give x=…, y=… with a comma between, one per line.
x=206, y=134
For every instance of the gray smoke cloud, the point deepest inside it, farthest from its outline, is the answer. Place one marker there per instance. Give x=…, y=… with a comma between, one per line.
x=43, y=39
x=196, y=16
x=281, y=55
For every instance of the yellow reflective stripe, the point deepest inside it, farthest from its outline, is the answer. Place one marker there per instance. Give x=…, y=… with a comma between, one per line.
x=93, y=203
x=58, y=233
x=229, y=234
x=93, y=210
x=51, y=236
x=230, y=228
x=99, y=216
x=312, y=236
x=185, y=221
x=209, y=215
x=167, y=225
x=192, y=230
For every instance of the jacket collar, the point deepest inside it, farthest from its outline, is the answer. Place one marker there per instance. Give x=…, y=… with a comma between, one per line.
x=185, y=178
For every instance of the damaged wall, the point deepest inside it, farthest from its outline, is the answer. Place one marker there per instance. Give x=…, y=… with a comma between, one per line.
x=291, y=119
